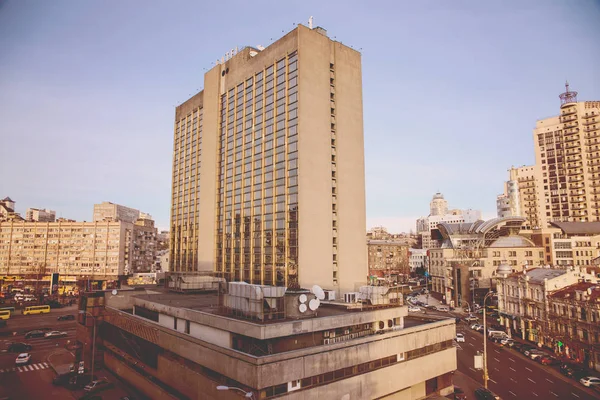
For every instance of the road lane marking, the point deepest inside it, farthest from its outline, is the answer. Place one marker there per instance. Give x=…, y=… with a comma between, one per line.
x=496, y=369
x=513, y=380
x=513, y=369
x=528, y=369
x=45, y=365
x=530, y=380
x=35, y=366
x=549, y=380
x=471, y=344
x=496, y=351
x=19, y=369
x=553, y=393
x=535, y=394
x=493, y=380
x=574, y=394
x=512, y=393
x=496, y=359
x=472, y=369
x=511, y=359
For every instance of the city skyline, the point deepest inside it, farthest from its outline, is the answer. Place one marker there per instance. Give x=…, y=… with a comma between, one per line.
x=102, y=110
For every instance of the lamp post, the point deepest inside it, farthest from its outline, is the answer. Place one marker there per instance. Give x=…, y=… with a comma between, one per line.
x=93, y=339
x=248, y=395
x=485, y=372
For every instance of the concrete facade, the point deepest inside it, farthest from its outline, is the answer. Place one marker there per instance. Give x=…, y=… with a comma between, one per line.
x=188, y=352
x=281, y=167
x=107, y=211
x=520, y=196
x=37, y=215
x=387, y=258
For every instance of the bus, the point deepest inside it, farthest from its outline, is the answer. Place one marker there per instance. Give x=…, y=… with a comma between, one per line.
x=11, y=309
x=36, y=310
x=4, y=314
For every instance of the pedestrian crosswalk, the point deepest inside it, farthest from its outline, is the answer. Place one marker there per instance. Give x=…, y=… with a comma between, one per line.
x=26, y=368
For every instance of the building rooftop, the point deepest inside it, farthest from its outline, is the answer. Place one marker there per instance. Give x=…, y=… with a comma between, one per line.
x=578, y=228
x=537, y=275
x=512, y=241
x=569, y=292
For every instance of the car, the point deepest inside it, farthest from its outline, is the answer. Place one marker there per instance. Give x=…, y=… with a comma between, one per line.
x=97, y=385
x=531, y=353
x=507, y=342
x=443, y=308
x=572, y=371
x=79, y=381
x=55, y=334
x=485, y=394
x=23, y=359
x=459, y=394
x=548, y=360
x=431, y=307
x=471, y=318
x=460, y=337
x=63, y=379
x=590, y=381
x=34, y=334
x=414, y=309
x=18, y=347
x=526, y=347
x=69, y=317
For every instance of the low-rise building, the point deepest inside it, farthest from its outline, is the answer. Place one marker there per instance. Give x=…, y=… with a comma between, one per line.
x=523, y=300
x=107, y=211
x=388, y=259
x=7, y=210
x=574, y=322
x=264, y=340
x=39, y=215
x=569, y=243
x=417, y=259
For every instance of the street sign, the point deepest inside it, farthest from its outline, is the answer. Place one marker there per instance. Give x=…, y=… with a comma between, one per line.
x=81, y=368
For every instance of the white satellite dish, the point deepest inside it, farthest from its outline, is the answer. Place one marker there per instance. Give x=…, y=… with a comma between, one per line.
x=114, y=292
x=314, y=304
x=318, y=292
x=302, y=298
x=303, y=308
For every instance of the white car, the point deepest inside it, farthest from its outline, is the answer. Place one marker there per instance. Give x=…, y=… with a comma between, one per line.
x=590, y=381
x=23, y=359
x=414, y=309
x=460, y=337
x=55, y=334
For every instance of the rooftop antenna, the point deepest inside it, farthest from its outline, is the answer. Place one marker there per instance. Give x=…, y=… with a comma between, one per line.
x=567, y=96
x=310, y=22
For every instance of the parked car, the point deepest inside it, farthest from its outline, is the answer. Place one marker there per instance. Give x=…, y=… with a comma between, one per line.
x=69, y=317
x=460, y=337
x=459, y=394
x=572, y=371
x=485, y=394
x=471, y=318
x=34, y=334
x=431, y=307
x=526, y=347
x=443, y=308
x=79, y=381
x=23, y=359
x=548, y=360
x=99, y=384
x=18, y=347
x=534, y=353
x=507, y=342
x=55, y=334
x=590, y=381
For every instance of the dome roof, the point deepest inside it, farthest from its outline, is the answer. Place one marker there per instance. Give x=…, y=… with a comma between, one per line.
x=438, y=195
x=504, y=268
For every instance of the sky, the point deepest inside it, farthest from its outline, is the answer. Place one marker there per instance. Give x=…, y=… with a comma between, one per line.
x=451, y=92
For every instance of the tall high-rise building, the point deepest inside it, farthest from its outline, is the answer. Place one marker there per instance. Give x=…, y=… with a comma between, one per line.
x=567, y=152
x=520, y=196
x=438, y=205
x=268, y=167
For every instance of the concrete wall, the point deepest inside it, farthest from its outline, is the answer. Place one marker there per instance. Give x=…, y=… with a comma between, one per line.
x=166, y=321
x=215, y=336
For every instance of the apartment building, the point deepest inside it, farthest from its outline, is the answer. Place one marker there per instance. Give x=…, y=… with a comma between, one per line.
x=268, y=167
x=173, y=346
x=464, y=267
x=567, y=154
x=7, y=210
x=102, y=250
x=520, y=196
x=523, y=300
x=38, y=215
x=107, y=211
x=417, y=258
x=569, y=243
x=388, y=258
x=574, y=322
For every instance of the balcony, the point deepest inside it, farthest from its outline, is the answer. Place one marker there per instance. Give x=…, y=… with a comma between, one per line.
x=590, y=115
x=574, y=151
x=570, y=116
x=569, y=111
x=590, y=128
x=570, y=145
x=588, y=122
x=570, y=125
x=577, y=200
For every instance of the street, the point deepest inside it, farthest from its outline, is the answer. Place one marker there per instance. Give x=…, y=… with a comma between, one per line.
x=514, y=376
x=34, y=380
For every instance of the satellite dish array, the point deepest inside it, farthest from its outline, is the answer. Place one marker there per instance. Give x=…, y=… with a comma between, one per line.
x=313, y=304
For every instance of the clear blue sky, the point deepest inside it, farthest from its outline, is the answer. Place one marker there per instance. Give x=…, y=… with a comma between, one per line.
x=452, y=91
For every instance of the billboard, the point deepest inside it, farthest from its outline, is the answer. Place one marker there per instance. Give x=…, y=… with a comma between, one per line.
x=54, y=283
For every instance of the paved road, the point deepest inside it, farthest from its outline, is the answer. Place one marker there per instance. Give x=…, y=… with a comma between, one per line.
x=514, y=376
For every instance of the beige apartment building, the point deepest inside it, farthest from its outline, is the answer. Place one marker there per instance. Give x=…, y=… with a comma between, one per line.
x=569, y=243
x=520, y=196
x=102, y=250
x=107, y=211
x=388, y=258
x=268, y=167
x=38, y=215
x=567, y=154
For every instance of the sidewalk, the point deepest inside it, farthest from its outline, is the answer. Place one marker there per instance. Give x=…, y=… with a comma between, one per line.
x=61, y=361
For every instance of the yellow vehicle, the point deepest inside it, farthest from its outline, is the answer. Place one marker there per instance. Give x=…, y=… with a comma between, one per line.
x=36, y=310
x=4, y=314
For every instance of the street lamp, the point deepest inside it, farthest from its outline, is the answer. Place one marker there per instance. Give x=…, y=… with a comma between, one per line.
x=485, y=372
x=248, y=395
x=93, y=339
